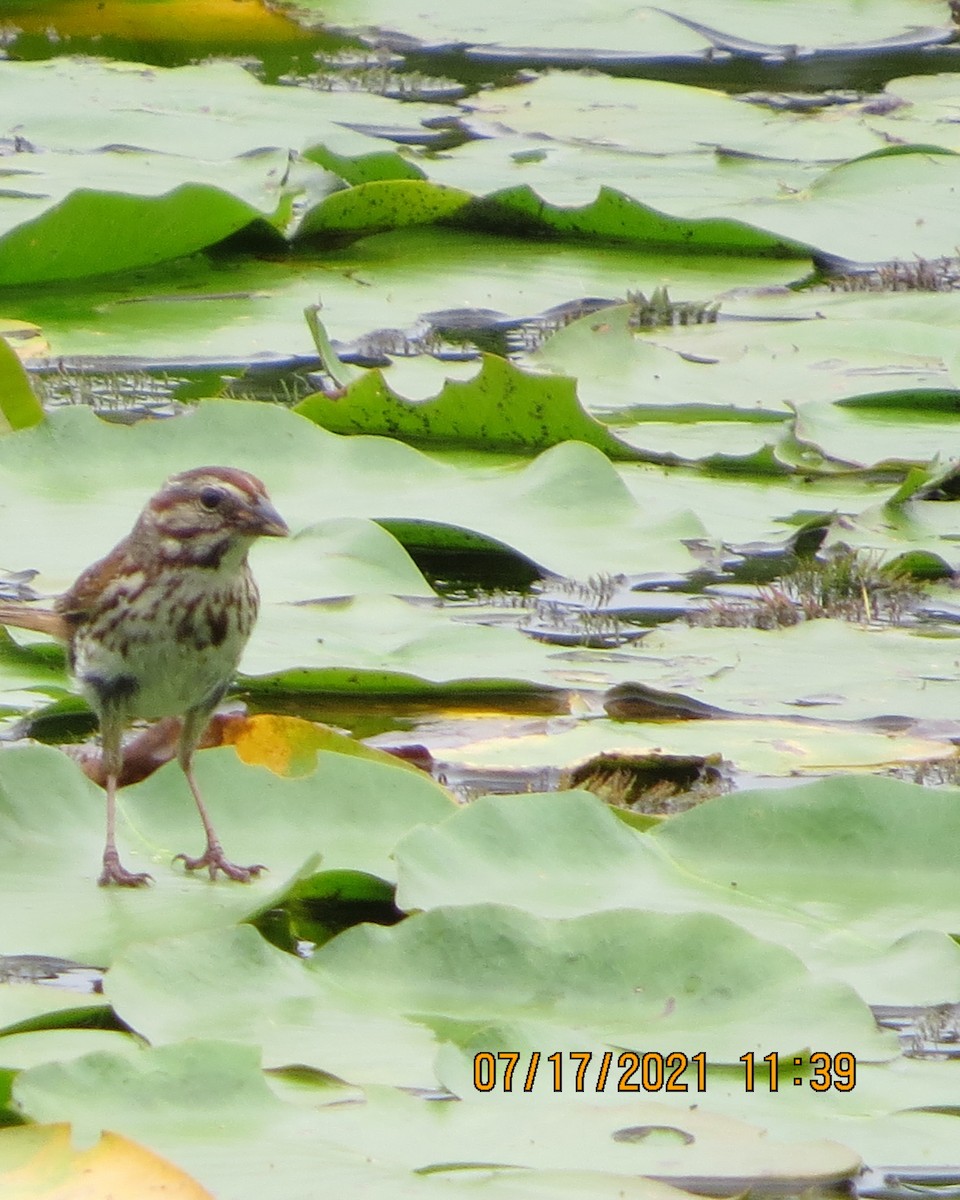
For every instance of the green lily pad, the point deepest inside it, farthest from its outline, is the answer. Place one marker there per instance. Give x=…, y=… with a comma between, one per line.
x=19, y=406
x=383, y=204
x=53, y=821
x=161, y=169
x=759, y=747
x=143, y=209
x=887, y=672
x=211, y=112
x=501, y=408
x=567, y=854
x=207, y=1106
x=230, y=306
x=849, y=852
x=313, y=474
x=23, y=1050
x=274, y=1001
x=576, y=1133
x=626, y=978
x=330, y=1015
x=40, y=1006
x=656, y=30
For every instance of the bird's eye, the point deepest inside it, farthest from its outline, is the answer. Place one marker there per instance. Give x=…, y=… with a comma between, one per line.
x=211, y=498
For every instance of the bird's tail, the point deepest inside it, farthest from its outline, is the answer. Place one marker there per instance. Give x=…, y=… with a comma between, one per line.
x=32, y=616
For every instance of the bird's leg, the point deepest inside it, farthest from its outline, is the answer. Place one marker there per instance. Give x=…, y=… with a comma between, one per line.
x=213, y=858
x=113, y=871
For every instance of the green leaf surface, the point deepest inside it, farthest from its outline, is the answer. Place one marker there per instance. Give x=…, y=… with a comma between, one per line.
x=43, y=1006
x=567, y=854
x=658, y=118
x=314, y=474
x=167, y=162
x=230, y=306
x=800, y=22
x=868, y=1120
x=887, y=672
x=211, y=112
x=21, y=1051
x=19, y=407
x=56, y=223
x=626, y=978
x=383, y=204
x=196, y=986
x=837, y=214
x=206, y=1105
x=848, y=852
x=758, y=747
x=500, y=408
x=454, y=974
x=638, y=1134
x=349, y=812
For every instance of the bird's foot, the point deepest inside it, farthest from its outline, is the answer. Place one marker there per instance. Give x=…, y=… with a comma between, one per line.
x=215, y=860
x=114, y=873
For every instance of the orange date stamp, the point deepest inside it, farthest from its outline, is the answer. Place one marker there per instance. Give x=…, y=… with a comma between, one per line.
x=629, y=1071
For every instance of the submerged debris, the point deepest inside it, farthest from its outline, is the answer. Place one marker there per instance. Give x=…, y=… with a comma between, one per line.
x=653, y=784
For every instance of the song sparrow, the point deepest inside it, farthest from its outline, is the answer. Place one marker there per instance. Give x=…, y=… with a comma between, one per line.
x=157, y=627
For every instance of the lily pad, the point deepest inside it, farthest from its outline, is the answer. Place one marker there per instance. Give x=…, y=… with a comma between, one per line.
x=230, y=306
x=501, y=408
x=274, y=1002
x=20, y=407
x=53, y=820
x=627, y=978
x=568, y=854
x=143, y=209
x=655, y=31
x=207, y=1106
x=30, y=1156
x=759, y=747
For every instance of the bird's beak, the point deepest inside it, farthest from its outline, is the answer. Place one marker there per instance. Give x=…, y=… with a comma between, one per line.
x=265, y=521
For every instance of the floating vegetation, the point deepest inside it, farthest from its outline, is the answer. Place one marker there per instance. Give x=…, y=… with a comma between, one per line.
x=116, y=395
x=597, y=591
x=771, y=608
x=380, y=73
x=579, y=613
x=853, y=585
x=845, y=584
x=564, y=625
x=935, y=1033
x=661, y=311
x=922, y=275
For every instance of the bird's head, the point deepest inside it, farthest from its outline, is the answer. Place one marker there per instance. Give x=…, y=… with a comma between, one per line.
x=207, y=514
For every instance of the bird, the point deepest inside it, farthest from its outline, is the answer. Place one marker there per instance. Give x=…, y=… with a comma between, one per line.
x=157, y=627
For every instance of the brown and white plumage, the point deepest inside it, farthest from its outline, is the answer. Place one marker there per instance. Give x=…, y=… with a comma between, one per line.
x=157, y=627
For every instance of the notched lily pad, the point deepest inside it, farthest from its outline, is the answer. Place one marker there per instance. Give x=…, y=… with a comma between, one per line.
x=501, y=408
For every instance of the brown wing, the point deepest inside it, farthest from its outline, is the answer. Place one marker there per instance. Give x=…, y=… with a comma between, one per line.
x=78, y=602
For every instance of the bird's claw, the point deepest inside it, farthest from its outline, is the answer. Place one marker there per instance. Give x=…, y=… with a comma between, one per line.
x=114, y=873
x=215, y=860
